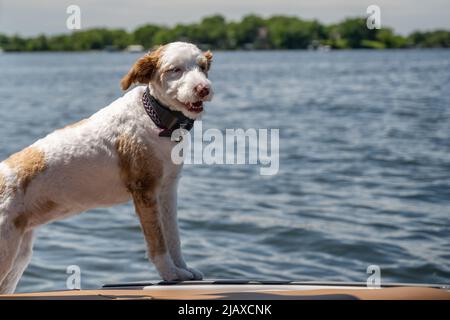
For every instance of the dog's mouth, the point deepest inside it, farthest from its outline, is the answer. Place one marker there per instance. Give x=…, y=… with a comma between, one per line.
x=195, y=107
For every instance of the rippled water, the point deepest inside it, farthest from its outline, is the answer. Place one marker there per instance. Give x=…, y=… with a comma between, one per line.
x=364, y=168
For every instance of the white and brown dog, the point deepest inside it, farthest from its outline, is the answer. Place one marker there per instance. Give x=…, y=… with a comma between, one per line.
x=122, y=152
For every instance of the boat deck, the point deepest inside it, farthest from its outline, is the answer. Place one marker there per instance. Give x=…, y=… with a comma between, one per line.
x=245, y=290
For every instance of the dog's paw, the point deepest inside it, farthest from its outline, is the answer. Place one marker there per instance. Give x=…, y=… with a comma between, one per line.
x=178, y=274
x=197, y=274
x=184, y=274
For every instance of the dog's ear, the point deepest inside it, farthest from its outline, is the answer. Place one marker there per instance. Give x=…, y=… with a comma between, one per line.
x=209, y=56
x=143, y=70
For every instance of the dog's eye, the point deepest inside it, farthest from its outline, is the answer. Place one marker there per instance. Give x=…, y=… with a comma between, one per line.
x=175, y=70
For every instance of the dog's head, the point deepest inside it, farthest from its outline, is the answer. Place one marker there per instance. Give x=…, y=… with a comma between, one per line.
x=178, y=75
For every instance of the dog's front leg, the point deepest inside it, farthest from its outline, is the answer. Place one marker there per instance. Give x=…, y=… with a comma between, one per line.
x=168, y=204
x=147, y=209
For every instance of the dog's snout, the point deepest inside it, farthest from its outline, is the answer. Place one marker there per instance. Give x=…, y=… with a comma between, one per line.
x=202, y=90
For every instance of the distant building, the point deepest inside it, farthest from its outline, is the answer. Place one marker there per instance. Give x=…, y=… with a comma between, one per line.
x=263, y=32
x=134, y=48
x=316, y=45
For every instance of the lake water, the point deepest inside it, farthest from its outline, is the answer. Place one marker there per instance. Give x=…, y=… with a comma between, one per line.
x=364, y=173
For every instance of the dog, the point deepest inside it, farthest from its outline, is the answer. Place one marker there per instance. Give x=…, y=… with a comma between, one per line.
x=121, y=153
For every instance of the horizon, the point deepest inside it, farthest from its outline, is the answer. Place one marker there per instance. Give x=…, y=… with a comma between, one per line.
x=20, y=18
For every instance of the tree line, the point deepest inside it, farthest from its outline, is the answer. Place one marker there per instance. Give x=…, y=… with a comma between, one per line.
x=252, y=32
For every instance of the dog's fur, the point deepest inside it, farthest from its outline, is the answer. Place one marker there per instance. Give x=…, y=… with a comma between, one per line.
x=112, y=157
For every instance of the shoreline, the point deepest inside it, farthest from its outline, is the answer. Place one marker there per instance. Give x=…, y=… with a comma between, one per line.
x=231, y=50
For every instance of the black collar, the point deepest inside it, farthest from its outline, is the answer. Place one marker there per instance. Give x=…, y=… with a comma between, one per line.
x=166, y=119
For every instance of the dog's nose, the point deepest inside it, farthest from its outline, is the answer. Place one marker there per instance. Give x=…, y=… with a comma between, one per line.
x=202, y=90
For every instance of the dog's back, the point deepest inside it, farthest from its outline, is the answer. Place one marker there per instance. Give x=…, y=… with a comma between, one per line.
x=71, y=169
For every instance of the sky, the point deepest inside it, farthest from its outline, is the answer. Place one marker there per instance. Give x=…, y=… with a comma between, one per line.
x=28, y=18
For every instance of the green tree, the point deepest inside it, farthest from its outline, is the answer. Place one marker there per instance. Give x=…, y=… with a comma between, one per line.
x=292, y=33
x=39, y=43
x=246, y=32
x=252, y=32
x=431, y=39
x=212, y=31
x=145, y=35
x=355, y=31
x=390, y=40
